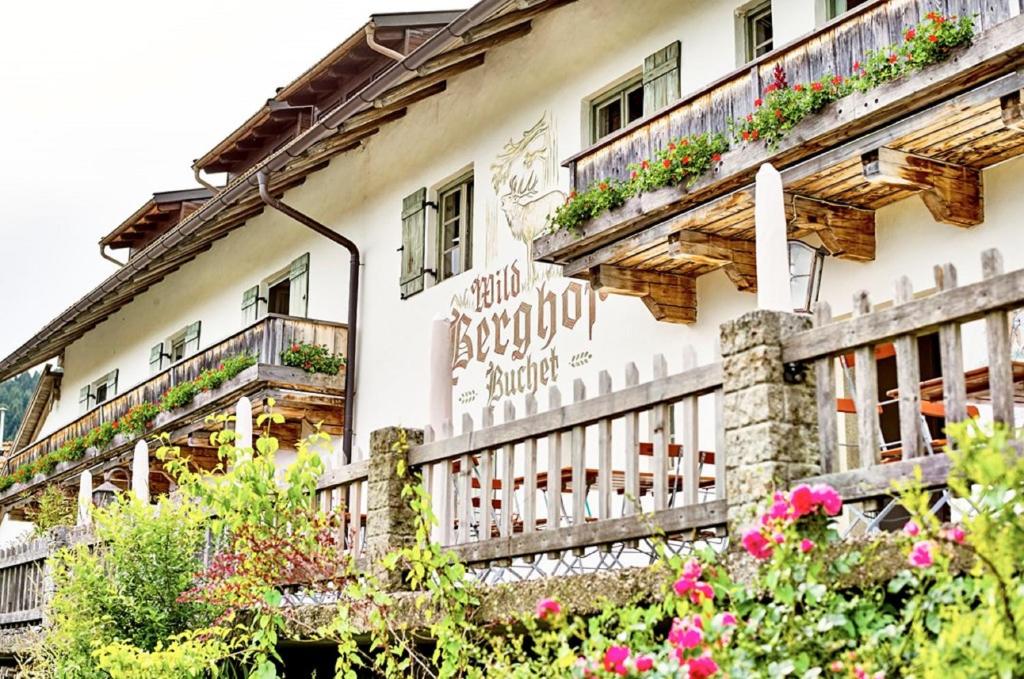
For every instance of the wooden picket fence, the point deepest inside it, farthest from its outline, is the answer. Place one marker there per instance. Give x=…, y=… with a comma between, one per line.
x=489, y=483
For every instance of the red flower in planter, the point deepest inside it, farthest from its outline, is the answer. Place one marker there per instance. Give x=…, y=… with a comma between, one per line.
x=295, y=347
x=746, y=135
x=716, y=157
x=633, y=175
x=778, y=114
x=666, y=163
x=750, y=117
x=893, y=58
x=910, y=34
x=856, y=66
x=838, y=80
x=645, y=165
x=603, y=186
x=307, y=365
x=755, y=134
x=758, y=102
x=933, y=38
x=671, y=146
x=816, y=86
x=798, y=88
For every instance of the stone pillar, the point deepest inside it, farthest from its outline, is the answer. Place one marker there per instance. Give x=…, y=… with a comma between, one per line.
x=390, y=521
x=57, y=538
x=770, y=414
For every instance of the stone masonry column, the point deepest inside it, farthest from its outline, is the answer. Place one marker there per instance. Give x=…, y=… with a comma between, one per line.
x=390, y=521
x=770, y=414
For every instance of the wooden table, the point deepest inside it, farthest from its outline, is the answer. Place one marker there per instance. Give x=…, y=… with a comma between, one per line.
x=978, y=388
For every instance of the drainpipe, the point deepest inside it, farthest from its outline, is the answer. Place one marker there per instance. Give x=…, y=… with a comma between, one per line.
x=104, y=255
x=371, y=41
x=353, y=300
x=202, y=182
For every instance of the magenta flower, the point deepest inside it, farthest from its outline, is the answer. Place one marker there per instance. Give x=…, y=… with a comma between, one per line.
x=686, y=635
x=779, y=510
x=911, y=528
x=702, y=667
x=726, y=619
x=955, y=534
x=779, y=538
x=692, y=569
x=548, y=607
x=802, y=500
x=921, y=555
x=644, y=663
x=828, y=497
x=806, y=545
x=756, y=545
x=615, y=660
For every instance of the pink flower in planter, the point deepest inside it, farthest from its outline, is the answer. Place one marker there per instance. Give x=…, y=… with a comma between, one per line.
x=911, y=528
x=644, y=663
x=956, y=534
x=548, y=607
x=756, y=545
x=686, y=635
x=615, y=660
x=921, y=555
x=806, y=545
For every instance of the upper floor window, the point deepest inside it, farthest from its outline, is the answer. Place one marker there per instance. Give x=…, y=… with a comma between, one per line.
x=617, y=108
x=441, y=246
x=455, y=229
x=183, y=343
x=757, y=28
x=837, y=7
x=100, y=391
x=285, y=292
x=656, y=86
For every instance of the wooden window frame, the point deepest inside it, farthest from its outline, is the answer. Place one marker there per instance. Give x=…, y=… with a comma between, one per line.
x=620, y=93
x=750, y=16
x=466, y=185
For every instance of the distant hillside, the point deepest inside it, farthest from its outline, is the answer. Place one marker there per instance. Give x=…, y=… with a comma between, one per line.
x=15, y=393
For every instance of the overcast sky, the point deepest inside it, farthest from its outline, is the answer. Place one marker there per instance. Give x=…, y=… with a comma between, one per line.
x=106, y=102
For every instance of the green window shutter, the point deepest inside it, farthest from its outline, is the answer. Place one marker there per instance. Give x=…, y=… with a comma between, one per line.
x=413, y=229
x=84, y=397
x=156, y=358
x=298, y=292
x=192, y=338
x=661, y=78
x=250, y=305
x=111, y=384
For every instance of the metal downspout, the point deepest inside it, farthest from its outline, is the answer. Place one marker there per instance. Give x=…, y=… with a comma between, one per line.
x=353, y=300
x=109, y=258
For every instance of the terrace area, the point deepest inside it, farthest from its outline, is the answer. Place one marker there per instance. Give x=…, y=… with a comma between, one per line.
x=929, y=133
x=304, y=398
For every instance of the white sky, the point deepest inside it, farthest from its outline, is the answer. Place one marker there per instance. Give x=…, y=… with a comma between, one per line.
x=106, y=102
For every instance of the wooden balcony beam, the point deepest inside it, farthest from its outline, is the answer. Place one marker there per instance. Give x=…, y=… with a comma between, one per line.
x=669, y=297
x=848, y=232
x=952, y=193
x=736, y=257
x=1012, y=106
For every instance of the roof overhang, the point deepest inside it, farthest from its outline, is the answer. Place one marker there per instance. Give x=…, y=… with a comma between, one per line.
x=459, y=47
x=156, y=216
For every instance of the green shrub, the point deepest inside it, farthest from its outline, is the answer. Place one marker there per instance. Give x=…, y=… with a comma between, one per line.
x=313, y=358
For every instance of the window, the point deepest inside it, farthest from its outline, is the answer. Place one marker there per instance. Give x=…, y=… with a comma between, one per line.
x=656, y=86
x=618, y=108
x=455, y=229
x=837, y=7
x=757, y=23
x=100, y=391
x=285, y=293
x=183, y=343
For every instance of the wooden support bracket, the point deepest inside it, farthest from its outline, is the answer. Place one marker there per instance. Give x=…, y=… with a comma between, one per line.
x=848, y=232
x=736, y=257
x=1012, y=106
x=669, y=297
x=952, y=193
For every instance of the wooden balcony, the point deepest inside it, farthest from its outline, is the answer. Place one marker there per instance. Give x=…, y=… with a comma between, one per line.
x=304, y=398
x=929, y=133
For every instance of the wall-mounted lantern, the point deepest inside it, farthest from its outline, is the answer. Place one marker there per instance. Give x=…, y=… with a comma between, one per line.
x=805, y=265
x=105, y=493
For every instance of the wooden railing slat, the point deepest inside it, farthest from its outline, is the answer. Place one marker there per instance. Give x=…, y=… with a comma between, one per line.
x=825, y=388
x=866, y=392
x=660, y=417
x=997, y=330
x=908, y=381
x=954, y=387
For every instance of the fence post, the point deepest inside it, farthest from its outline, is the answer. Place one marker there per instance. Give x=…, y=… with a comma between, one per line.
x=390, y=521
x=770, y=413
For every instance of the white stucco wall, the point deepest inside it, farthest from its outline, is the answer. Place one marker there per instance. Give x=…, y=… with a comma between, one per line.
x=570, y=54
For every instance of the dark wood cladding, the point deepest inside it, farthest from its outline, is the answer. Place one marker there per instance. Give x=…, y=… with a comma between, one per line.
x=264, y=339
x=830, y=50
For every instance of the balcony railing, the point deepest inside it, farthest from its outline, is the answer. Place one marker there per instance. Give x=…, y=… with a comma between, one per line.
x=637, y=233
x=264, y=339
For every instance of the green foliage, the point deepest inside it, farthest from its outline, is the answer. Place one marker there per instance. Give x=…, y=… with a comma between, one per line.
x=313, y=358
x=125, y=589
x=54, y=506
x=182, y=394
x=776, y=112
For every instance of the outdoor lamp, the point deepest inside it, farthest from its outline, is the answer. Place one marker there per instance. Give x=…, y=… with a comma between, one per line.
x=104, y=493
x=805, y=264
